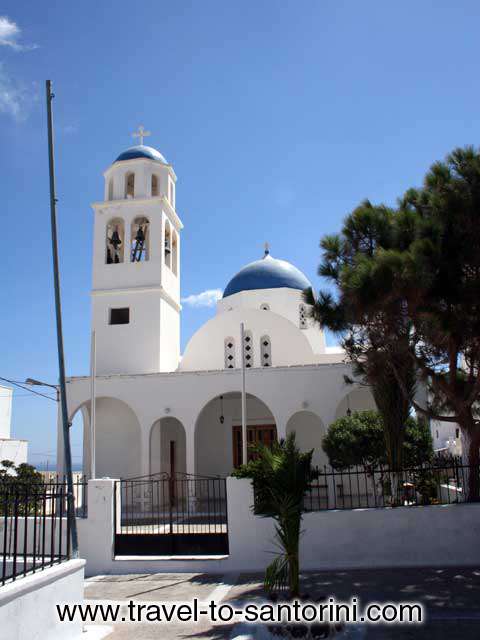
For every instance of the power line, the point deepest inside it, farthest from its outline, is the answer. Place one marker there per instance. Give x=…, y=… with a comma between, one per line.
x=37, y=393
x=20, y=395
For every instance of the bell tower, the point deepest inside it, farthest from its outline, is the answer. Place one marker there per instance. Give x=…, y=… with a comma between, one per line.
x=136, y=265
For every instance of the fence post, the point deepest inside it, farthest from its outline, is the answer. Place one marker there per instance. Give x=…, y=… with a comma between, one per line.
x=97, y=541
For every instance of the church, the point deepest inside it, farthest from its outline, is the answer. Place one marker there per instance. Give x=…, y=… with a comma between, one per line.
x=160, y=411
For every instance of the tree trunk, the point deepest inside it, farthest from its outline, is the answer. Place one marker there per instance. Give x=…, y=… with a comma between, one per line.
x=471, y=457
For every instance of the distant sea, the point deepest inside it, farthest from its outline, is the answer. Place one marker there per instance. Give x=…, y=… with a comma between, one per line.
x=43, y=466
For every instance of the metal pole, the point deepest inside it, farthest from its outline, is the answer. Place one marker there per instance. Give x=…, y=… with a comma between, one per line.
x=244, y=397
x=58, y=314
x=93, y=373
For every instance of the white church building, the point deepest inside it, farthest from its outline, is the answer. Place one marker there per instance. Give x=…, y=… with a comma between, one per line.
x=157, y=410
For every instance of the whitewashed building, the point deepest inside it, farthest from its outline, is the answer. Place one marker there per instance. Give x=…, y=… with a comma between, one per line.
x=160, y=411
x=10, y=448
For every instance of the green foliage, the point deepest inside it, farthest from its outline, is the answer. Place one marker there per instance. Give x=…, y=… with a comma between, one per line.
x=20, y=488
x=24, y=474
x=407, y=297
x=359, y=439
x=374, y=338
x=281, y=476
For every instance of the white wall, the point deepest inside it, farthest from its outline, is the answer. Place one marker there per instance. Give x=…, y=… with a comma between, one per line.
x=27, y=606
x=289, y=345
x=360, y=538
x=185, y=394
x=14, y=450
x=6, y=394
x=284, y=302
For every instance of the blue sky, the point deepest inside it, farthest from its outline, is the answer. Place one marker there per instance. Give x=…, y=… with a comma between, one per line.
x=279, y=117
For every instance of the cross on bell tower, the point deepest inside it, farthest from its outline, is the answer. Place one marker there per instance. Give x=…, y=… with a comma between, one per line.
x=141, y=133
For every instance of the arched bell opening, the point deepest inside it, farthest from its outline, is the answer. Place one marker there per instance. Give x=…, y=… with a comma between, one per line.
x=115, y=241
x=130, y=185
x=167, y=251
x=140, y=237
x=174, y=252
x=155, y=186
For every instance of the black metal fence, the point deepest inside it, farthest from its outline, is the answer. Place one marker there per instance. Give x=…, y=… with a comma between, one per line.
x=34, y=530
x=442, y=482
x=179, y=513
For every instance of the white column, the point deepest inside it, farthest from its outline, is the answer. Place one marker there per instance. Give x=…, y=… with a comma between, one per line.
x=190, y=448
x=145, y=451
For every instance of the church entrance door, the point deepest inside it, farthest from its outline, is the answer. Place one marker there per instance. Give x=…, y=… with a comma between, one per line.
x=258, y=433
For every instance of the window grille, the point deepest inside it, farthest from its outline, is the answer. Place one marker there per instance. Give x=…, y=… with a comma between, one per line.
x=229, y=353
x=266, y=351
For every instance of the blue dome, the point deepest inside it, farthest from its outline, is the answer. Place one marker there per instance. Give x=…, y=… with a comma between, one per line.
x=141, y=151
x=267, y=273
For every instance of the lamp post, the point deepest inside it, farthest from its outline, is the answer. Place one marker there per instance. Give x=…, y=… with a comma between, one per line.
x=244, y=398
x=38, y=383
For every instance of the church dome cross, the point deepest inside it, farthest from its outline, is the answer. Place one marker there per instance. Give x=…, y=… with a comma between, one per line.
x=141, y=134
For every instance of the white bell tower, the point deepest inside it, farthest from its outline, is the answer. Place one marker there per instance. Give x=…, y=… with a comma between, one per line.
x=136, y=265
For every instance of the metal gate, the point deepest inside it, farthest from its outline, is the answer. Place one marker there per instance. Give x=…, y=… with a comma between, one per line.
x=176, y=514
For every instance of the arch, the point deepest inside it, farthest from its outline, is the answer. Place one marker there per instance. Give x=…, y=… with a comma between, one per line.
x=168, y=245
x=154, y=185
x=265, y=351
x=309, y=430
x=110, y=189
x=359, y=399
x=168, y=446
x=140, y=239
x=174, y=252
x=117, y=438
x=115, y=241
x=130, y=185
x=218, y=439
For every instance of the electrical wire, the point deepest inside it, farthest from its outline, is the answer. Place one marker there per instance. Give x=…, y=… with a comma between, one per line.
x=21, y=386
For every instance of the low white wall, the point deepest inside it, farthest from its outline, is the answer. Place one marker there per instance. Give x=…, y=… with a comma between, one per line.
x=361, y=538
x=27, y=606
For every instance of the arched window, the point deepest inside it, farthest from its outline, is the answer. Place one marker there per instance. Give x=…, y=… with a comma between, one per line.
x=110, y=189
x=168, y=245
x=139, y=240
x=302, y=317
x=155, y=190
x=265, y=307
x=174, y=252
x=130, y=185
x=248, y=349
x=114, y=241
x=229, y=348
x=266, y=351
x=171, y=192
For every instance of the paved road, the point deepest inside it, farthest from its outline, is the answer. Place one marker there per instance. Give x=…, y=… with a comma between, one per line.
x=451, y=597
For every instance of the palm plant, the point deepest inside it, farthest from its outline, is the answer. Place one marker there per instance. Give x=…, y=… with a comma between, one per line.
x=281, y=476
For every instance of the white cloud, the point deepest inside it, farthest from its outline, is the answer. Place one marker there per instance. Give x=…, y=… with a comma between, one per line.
x=9, y=33
x=207, y=298
x=15, y=99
